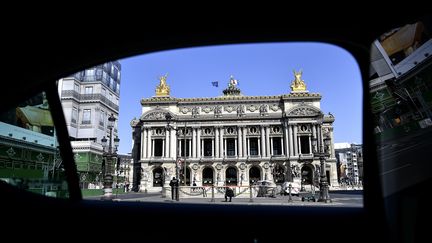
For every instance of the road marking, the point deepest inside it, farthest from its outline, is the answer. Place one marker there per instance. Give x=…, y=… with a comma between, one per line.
x=395, y=169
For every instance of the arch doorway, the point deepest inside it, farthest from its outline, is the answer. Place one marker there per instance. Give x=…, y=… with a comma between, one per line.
x=188, y=177
x=158, y=177
x=207, y=176
x=231, y=176
x=254, y=174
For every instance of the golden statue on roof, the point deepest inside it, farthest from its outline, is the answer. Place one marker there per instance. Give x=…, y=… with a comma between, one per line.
x=298, y=85
x=163, y=89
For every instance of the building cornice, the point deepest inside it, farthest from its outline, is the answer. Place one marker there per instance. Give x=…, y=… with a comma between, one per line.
x=224, y=99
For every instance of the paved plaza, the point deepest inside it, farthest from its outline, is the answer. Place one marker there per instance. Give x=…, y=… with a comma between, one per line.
x=353, y=198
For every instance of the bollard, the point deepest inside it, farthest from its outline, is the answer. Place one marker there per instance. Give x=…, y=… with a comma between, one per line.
x=250, y=193
x=176, y=188
x=289, y=193
x=213, y=199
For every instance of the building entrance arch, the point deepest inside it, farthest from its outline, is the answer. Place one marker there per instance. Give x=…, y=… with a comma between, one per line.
x=188, y=177
x=207, y=175
x=231, y=176
x=254, y=174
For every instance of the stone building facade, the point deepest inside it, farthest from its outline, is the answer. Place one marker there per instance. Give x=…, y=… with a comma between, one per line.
x=233, y=139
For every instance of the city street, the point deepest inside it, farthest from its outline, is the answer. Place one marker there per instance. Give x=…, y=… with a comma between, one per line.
x=350, y=198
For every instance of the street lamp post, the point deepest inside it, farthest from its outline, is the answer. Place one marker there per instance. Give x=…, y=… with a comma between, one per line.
x=322, y=153
x=109, y=155
x=168, y=118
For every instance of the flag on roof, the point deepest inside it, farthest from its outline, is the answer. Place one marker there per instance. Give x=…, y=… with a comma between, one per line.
x=215, y=83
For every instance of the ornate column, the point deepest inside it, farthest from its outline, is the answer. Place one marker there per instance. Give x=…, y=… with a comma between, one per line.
x=299, y=145
x=221, y=142
x=263, y=153
x=216, y=138
x=248, y=147
x=239, y=142
x=271, y=146
x=198, y=142
x=173, y=147
x=193, y=155
x=244, y=133
x=149, y=143
x=295, y=140
x=282, y=145
x=225, y=148
x=143, y=143
x=290, y=138
x=167, y=144
x=235, y=149
x=259, y=149
x=331, y=149
x=285, y=138
x=152, y=148
x=213, y=148
x=267, y=129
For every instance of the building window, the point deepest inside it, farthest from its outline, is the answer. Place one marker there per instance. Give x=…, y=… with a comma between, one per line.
x=277, y=146
x=86, y=116
x=231, y=177
x=208, y=147
x=88, y=90
x=77, y=87
x=103, y=92
x=74, y=115
x=207, y=175
x=230, y=146
x=99, y=74
x=304, y=142
x=254, y=175
x=253, y=142
x=183, y=148
x=158, y=147
x=102, y=119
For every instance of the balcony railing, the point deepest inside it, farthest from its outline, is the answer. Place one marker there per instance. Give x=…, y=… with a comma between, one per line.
x=88, y=97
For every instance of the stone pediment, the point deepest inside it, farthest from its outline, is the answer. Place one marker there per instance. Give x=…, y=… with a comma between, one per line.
x=156, y=114
x=304, y=110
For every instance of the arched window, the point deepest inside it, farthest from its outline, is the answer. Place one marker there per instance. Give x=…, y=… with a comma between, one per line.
x=231, y=176
x=207, y=176
x=254, y=175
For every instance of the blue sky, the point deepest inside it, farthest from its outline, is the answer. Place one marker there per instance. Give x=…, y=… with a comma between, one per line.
x=261, y=69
